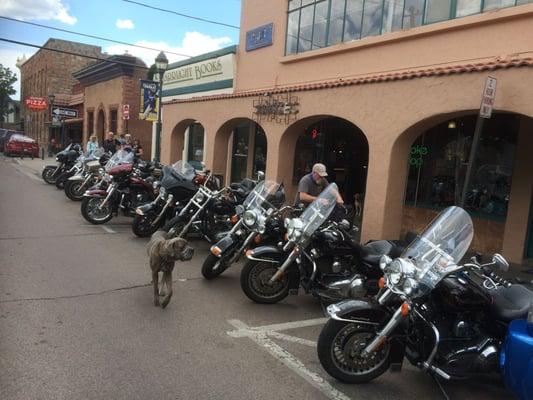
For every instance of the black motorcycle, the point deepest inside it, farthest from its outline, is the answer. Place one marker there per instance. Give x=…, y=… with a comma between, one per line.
x=178, y=185
x=445, y=318
x=257, y=222
x=320, y=256
x=65, y=161
x=86, y=173
x=208, y=213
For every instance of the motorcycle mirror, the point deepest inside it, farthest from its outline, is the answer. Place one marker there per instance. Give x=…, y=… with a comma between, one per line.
x=260, y=176
x=239, y=209
x=345, y=224
x=501, y=262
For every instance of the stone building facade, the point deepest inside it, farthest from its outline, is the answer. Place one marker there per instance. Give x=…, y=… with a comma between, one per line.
x=107, y=87
x=50, y=72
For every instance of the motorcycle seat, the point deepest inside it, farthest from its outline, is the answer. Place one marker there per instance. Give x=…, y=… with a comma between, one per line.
x=371, y=252
x=510, y=303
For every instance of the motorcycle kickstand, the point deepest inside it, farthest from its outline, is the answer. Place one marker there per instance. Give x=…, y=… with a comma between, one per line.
x=439, y=384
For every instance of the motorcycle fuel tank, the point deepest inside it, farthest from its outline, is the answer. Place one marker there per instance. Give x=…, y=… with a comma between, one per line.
x=459, y=293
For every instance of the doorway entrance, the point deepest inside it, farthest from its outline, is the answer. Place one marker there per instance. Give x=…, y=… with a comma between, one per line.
x=248, y=151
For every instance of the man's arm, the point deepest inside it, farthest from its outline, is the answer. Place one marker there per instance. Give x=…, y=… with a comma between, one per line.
x=306, y=197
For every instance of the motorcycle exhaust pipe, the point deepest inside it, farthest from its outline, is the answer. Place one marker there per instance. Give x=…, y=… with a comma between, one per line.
x=281, y=271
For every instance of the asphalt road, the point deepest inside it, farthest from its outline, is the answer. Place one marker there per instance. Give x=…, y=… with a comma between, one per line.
x=77, y=319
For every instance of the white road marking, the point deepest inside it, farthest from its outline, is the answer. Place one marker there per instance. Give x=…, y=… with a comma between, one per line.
x=293, y=339
x=292, y=325
x=259, y=336
x=107, y=229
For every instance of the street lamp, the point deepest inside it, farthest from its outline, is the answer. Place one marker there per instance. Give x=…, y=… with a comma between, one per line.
x=51, y=98
x=161, y=64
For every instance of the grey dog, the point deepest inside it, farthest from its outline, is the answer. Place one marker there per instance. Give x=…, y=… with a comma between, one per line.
x=163, y=253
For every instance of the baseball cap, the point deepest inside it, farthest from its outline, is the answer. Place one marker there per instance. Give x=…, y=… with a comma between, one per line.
x=320, y=169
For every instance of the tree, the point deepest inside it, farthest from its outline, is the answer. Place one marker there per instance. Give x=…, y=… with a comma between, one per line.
x=7, y=79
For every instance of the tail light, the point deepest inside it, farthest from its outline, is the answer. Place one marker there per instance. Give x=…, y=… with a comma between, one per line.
x=234, y=219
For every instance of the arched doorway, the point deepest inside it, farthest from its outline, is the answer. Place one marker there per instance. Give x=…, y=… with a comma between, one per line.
x=437, y=165
x=240, y=150
x=337, y=143
x=100, y=126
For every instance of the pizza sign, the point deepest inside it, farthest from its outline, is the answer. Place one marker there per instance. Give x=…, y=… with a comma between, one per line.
x=36, y=103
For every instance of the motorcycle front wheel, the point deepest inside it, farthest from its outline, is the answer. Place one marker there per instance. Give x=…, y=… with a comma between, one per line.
x=93, y=214
x=255, y=282
x=48, y=175
x=142, y=225
x=339, y=350
x=61, y=179
x=74, y=190
x=213, y=266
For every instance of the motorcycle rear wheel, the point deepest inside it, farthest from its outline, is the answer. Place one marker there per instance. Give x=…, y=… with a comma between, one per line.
x=48, y=175
x=211, y=262
x=89, y=210
x=339, y=349
x=142, y=225
x=74, y=190
x=255, y=277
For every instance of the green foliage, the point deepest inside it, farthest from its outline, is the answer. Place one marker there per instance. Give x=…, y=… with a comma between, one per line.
x=7, y=79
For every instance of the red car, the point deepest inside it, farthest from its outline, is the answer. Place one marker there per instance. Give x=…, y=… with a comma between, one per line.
x=21, y=145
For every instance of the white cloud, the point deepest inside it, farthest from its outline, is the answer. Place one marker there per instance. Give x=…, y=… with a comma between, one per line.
x=40, y=10
x=124, y=24
x=8, y=58
x=193, y=44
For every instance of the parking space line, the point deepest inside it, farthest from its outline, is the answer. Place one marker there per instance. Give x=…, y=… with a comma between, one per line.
x=107, y=229
x=293, y=339
x=259, y=336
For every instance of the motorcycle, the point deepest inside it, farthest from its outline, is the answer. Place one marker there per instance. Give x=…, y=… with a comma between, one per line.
x=65, y=161
x=122, y=188
x=179, y=184
x=253, y=226
x=446, y=318
x=87, y=175
x=209, y=211
x=320, y=256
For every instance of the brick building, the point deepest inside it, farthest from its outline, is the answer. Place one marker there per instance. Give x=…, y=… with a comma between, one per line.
x=107, y=87
x=50, y=72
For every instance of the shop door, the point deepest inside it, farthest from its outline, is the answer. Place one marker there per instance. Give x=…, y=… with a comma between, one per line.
x=529, y=237
x=239, y=160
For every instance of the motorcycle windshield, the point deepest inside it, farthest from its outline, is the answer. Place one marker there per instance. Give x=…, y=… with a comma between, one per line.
x=259, y=198
x=184, y=170
x=120, y=157
x=441, y=246
x=319, y=210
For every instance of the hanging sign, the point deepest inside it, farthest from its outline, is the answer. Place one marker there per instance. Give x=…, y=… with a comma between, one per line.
x=487, y=101
x=36, y=103
x=149, y=100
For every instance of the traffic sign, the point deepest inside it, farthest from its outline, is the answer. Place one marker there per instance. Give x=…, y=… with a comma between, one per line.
x=487, y=101
x=125, y=111
x=64, y=113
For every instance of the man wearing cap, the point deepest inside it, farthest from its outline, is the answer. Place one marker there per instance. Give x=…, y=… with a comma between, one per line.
x=312, y=184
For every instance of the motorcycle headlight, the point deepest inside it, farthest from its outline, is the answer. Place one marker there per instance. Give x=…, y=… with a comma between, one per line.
x=199, y=197
x=296, y=229
x=249, y=218
x=57, y=159
x=384, y=261
x=156, y=184
x=394, y=271
x=162, y=191
x=108, y=178
x=409, y=286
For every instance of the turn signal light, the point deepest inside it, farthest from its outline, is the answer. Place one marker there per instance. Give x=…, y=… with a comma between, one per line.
x=381, y=282
x=286, y=237
x=405, y=309
x=258, y=239
x=215, y=250
x=249, y=252
x=234, y=219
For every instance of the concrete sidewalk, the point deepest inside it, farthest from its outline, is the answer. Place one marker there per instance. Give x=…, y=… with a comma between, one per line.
x=36, y=164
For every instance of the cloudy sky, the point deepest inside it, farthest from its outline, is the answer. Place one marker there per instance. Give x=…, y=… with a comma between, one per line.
x=123, y=21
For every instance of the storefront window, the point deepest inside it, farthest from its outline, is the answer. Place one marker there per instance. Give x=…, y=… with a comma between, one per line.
x=113, y=117
x=240, y=153
x=195, y=149
x=249, y=152
x=314, y=24
x=439, y=159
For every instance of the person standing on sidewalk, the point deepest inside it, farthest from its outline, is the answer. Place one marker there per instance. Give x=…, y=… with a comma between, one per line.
x=110, y=144
x=92, y=145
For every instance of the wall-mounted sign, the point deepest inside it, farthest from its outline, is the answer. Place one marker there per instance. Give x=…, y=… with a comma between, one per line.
x=125, y=111
x=487, y=101
x=36, y=103
x=204, y=72
x=149, y=100
x=259, y=37
x=277, y=108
